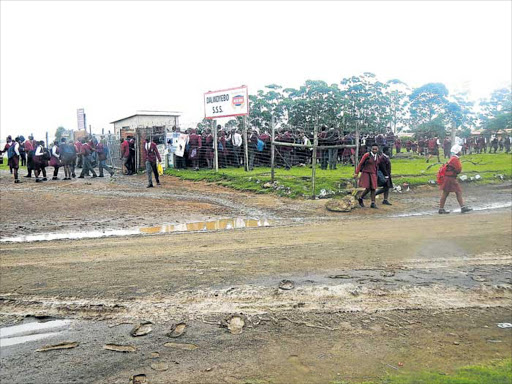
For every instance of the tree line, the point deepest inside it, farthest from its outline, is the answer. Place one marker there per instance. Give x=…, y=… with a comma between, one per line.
x=377, y=106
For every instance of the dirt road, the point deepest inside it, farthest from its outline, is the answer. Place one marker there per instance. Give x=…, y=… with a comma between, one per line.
x=369, y=293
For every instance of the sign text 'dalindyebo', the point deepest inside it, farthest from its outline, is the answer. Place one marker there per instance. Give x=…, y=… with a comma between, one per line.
x=225, y=103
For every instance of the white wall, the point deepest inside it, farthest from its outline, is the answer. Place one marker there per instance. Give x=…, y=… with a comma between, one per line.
x=146, y=121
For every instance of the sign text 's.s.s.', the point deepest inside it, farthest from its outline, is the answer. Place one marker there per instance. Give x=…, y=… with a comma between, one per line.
x=226, y=103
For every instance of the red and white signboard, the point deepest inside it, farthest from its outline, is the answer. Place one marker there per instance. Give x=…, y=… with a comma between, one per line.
x=226, y=103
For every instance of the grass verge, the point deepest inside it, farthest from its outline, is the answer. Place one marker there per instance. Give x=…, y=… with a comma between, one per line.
x=414, y=171
x=499, y=372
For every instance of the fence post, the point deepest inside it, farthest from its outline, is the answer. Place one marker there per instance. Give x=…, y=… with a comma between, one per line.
x=272, y=150
x=356, y=162
x=313, y=159
x=215, y=149
x=246, y=146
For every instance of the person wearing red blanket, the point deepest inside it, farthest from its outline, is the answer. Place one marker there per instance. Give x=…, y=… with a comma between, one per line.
x=450, y=183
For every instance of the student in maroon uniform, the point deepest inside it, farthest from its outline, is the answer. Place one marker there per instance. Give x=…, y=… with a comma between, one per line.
x=194, y=141
x=8, y=143
x=433, y=149
x=125, y=156
x=450, y=183
x=55, y=159
x=385, y=167
x=14, y=161
x=78, y=147
x=151, y=154
x=447, y=144
x=41, y=156
x=398, y=145
x=86, y=158
x=368, y=180
x=30, y=147
x=102, y=160
x=408, y=145
x=209, y=148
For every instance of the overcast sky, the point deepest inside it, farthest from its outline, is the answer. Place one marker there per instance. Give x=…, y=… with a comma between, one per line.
x=114, y=58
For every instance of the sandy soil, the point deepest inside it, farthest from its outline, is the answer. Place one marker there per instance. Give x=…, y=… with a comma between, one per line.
x=372, y=292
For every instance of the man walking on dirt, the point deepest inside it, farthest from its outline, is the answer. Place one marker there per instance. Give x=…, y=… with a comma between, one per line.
x=125, y=155
x=151, y=154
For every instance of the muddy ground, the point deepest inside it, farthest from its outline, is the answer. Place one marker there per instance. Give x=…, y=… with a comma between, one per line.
x=372, y=292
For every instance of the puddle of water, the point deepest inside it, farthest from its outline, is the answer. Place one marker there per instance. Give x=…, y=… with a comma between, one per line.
x=222, y=224
x=31, y=327
x=24, y=333
x=482, y=208
x=25, y=339
x=207, y=225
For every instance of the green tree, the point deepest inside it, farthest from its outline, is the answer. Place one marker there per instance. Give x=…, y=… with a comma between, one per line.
x=436, y=127
x=499, y=123
x=459, y=114
x=427, y=103
x=59, y=133
x=313, y=103
x=366, y=99
x=398, y=100
x=500, y=103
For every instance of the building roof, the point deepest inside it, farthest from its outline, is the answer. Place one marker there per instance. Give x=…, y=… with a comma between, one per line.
x=150, y=113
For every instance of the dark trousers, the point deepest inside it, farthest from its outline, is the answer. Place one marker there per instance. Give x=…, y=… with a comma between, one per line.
x=151, y=166
x=86, y=167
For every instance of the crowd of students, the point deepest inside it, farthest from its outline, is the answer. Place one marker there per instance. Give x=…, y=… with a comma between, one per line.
x=199, y=148
x=85, y=153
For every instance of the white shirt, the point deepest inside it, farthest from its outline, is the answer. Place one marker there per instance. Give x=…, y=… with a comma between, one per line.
x=39, y=150
x=54, y=152
x=236, y=139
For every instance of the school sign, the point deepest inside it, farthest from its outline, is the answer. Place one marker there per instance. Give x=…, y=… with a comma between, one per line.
x=226, y=103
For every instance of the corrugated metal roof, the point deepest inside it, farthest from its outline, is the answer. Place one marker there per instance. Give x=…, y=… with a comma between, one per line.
x=151, y=113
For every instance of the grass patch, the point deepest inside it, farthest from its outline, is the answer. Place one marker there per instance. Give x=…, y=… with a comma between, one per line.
x=297, y=181
x=493, y=373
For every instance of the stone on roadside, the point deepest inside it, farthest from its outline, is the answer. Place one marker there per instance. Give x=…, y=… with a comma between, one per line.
x=345, y=204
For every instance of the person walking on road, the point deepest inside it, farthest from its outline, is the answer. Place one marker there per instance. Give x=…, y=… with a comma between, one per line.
x=450, y=183
x=13, y=155
x=86, y=159
x=102, y=152
x=368, y=169
x=385, y=167
x=151, y=154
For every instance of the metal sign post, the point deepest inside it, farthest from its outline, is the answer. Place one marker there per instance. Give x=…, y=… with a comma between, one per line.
x=215, y=149
x=227, y=103
x=246, y=146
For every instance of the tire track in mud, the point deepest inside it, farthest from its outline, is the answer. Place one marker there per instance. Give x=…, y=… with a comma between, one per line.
x=226, y=203
x=362, y=290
